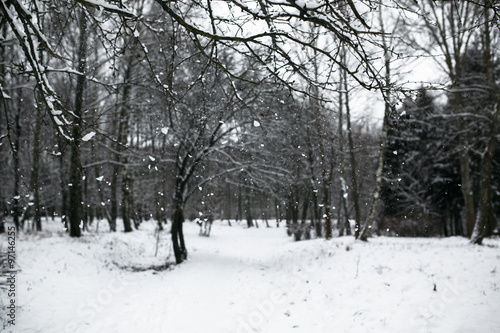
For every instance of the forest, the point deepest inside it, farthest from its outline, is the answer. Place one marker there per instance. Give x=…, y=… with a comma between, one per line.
x=331, y=118
x=303, y=166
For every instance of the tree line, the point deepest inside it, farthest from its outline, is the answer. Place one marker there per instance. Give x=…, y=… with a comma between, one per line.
x=125, y=111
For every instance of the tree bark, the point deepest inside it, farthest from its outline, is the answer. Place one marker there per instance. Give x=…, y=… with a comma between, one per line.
x=35, y=187
x=114, y=192
x=342, y=225
x=178, y=243
x=248, y=208
x=16, y=207
x=229, y=203
x=75, y=192
x=63, y=183
x=466, y=186
x=305, y=226
x=325, y=177
x=315, y=218
x=102, y=203
x=365, y=232
x=75, y=209
x=239, y=210
x=354, y=169
x=176, y=223
x=126, y=200
x=122, y=135
x=294, y=214
x=484, y=221
x=343, y=199
x=483, y=226
x=3, y=207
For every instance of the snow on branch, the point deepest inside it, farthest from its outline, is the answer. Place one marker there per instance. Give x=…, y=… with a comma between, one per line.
x=3, y=93
x=107, y=7
x=283, y=31
x=30, y=39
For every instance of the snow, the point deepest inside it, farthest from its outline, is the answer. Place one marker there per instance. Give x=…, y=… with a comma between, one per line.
x=109, y=7
x=3, y=93
x=253, y=280
x=88, y=136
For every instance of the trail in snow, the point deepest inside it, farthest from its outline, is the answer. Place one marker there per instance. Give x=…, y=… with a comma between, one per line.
x=255, y=280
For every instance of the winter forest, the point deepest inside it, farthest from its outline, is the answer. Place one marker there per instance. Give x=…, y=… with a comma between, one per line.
x=178, y=151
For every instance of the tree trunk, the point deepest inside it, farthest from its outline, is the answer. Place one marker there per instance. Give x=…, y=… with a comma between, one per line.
x=135, y=214
x=75, y=209
x=484, y=222
x=120, y=166
x=328, y=214
x=305, y=226
x=114, y=178
x=176, y=223
x=3, y=207
x=277, y=212
x=126, y=199
x=178, y=243
x=35, y=187
x=485, y=217
x=86, y=202
x=340, y=226
x=343, y=186
x=229, y=204
x=365, y=232
x=160, y=200
x=102, y=203
x=239, y=211
x=114, y=192
x=63, y=183
x=122, y=137
x=248, y=208
x=16, y=207
x=343, y=192
x=466, y=185
x=294, y=213
x=354, y=170
x=75, y=192
x=325, y=176
x=315, y=218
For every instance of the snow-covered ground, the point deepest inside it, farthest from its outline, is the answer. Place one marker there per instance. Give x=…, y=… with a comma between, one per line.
x=253, y=280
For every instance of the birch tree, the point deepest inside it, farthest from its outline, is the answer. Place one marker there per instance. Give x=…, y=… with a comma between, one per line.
x=365, y=231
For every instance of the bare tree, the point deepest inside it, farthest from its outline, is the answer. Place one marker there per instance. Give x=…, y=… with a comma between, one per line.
x=75, y=193
x=35, y=170
x=451, y=26
x=352, y=160
x=485, y=219
x=365, y=232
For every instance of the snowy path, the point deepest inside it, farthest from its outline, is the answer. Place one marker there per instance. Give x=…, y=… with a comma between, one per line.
x=257, y=280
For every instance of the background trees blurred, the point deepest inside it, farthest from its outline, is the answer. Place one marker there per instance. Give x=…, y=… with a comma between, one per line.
x=171, y=110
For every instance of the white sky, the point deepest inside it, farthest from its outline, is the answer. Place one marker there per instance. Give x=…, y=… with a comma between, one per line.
x=364, y=104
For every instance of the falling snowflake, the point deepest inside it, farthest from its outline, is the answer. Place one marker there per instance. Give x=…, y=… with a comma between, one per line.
x=88, y=136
